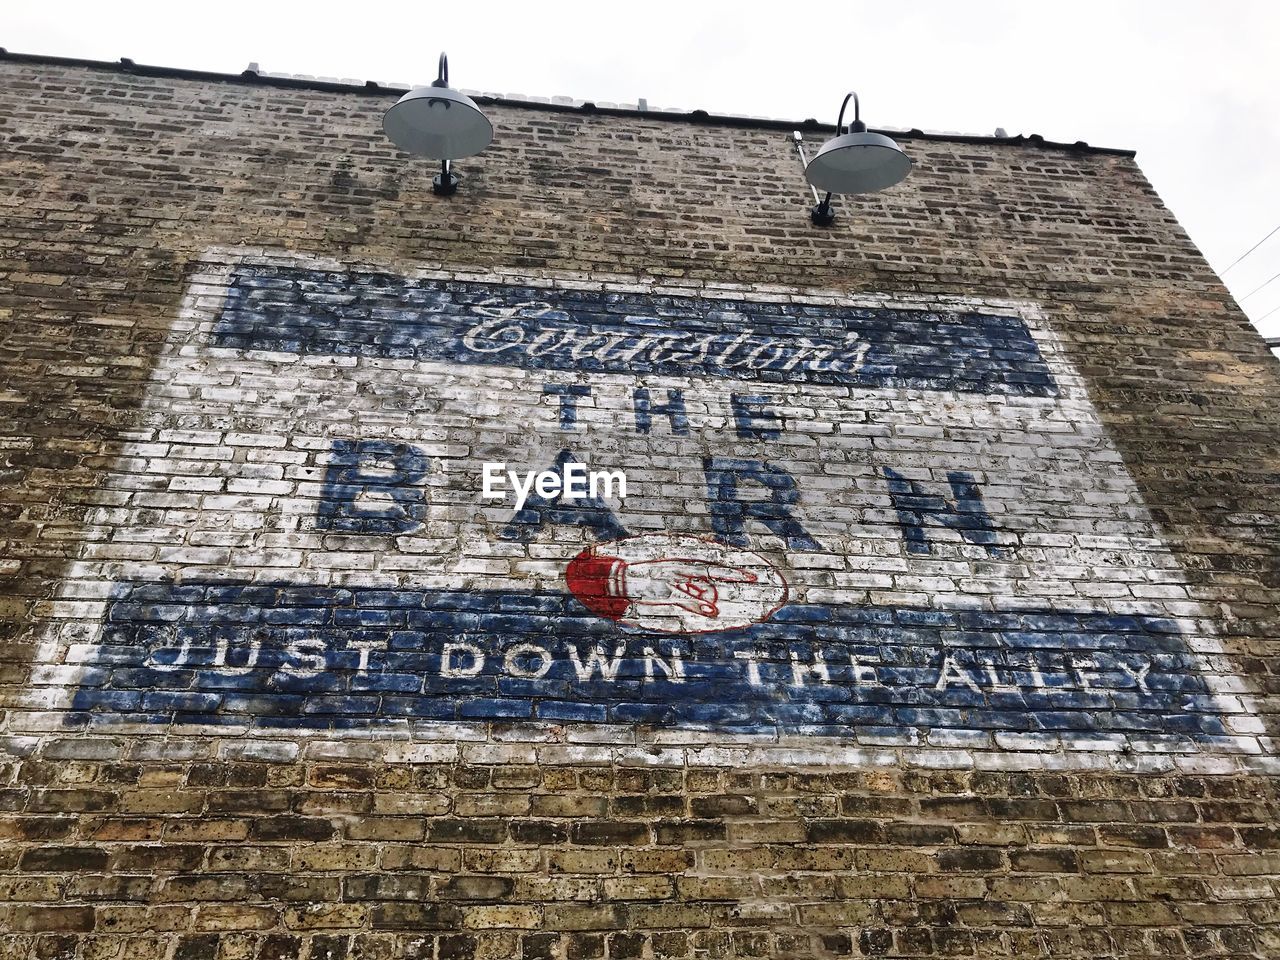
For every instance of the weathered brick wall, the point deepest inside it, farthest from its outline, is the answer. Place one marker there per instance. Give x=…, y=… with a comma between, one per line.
x=987, y=475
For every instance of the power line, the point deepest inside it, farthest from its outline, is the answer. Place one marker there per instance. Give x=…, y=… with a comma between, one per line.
x=1251, y=249
x=1267, y=314
x=1257, y=288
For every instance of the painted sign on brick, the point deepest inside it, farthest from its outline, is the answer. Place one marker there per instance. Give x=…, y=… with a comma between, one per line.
x=842, y=518
x=506, y=325
x=342, y=657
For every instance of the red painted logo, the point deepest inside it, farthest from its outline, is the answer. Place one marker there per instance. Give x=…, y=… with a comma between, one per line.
x=676, y=584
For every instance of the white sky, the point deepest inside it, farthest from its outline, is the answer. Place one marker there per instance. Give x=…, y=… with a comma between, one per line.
x=1194, y=87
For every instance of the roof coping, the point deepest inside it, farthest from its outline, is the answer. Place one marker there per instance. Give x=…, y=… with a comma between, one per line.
x=256, y=77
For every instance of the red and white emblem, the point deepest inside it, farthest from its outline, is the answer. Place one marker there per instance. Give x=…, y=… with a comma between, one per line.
x=676, y=584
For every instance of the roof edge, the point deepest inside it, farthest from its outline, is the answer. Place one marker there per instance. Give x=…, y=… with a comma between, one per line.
x=372, y=88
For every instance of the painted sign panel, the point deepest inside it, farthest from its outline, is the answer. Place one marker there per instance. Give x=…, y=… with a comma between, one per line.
x=588, y=331
x=342, y=657
x=840, y=518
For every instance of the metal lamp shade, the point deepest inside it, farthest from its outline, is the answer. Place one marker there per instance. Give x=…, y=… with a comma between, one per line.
x=438, y=122
x=858, y=163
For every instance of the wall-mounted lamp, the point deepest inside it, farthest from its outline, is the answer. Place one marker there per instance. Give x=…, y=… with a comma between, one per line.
x=441, y=123
x=853, y=162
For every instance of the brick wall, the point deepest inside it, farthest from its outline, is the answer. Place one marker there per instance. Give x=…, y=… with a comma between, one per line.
x=983, y=479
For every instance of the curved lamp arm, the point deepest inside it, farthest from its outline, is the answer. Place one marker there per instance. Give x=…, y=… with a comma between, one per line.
x=857, y=126
x=822, y=214
x=447, y=183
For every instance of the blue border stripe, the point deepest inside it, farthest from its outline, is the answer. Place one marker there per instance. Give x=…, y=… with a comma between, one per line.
x=293, y=310
x=361, y=657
